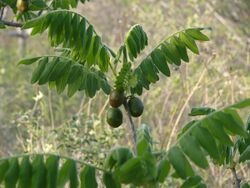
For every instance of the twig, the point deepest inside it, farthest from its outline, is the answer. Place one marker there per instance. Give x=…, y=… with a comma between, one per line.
x=103, y=108
x=237, y=180
x=1, y=14
x=22, y=35
x=184, y=107
x=12, y=24
x=52, y=121
x=132, y=125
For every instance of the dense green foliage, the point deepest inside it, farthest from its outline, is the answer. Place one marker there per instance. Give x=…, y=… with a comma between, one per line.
x=207, y=137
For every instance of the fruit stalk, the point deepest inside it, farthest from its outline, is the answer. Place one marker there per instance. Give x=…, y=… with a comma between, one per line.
x=132, y=125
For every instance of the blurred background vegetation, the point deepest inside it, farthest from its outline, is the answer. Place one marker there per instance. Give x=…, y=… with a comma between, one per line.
x=36, y=119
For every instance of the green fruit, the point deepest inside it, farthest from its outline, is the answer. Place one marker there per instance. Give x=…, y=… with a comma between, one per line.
x=114, y=117
x=116, y=98
x=22, y=5
x=135, y=106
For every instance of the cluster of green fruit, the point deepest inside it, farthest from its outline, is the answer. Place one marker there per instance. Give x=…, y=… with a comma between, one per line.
x=116, y=98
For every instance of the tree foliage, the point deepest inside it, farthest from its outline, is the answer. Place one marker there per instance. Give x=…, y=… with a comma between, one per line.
x=207, y=138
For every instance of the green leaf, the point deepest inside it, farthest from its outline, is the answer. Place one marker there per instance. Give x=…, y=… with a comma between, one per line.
x=230, y=123
x=34, y=22
x=11, y=176
x=159, y=60
x=180, y=163
x=39, y=70
x=248, y=123
x=59, y=69
x=29, y=61
x=217, y=130
x=245, y=155
x=105, y=86
x=242, y=104
x=150, y=169
x=242, y=145
x=59, y=32
x=201, y=185
x=74, y=87
x=62, y=82
x=245, y=185
x=131, y=46
x=25, y=175
x=36, y=5
x=103, y=59
x=171, y=53
x=91, y=85
x=229, y=155
x=76, y=71
x=117, y=157
x=192, y=149
x=189, y=42
x=186, y=127
x=197, y=111
x=196, y=34
x=82, y=34
x=94, y=48
x=55, y=28
x=73, y=3
x=235, y=115
x=73, y=177
x=75, y=79
x=207, y=141
x=96, y=45
x=139, y=36
x=163, y=169
x=4, y=165
x=135, y=36
x=132, y=170
x=44, y=78
x=68, y=172
x=38, y=172
x=142, y=146
x=75, y=21
x=136, y=40
x=144, y=140
x=88, y=178
x=110, y=181
x=52, y=164
x=144, y=37
x=43, y=25
x=68, y=29
x=191, y=182
x=181, y=48
x=89, y=35
x=149, y=70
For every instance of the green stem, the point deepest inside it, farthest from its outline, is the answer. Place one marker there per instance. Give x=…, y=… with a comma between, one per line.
x=208, y=116
x=112, y=69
